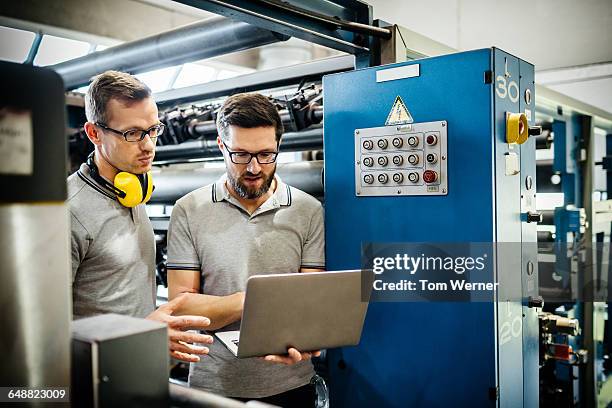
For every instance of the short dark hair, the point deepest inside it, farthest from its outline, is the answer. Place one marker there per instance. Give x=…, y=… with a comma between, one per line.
x=112, y=85
x=248, y=110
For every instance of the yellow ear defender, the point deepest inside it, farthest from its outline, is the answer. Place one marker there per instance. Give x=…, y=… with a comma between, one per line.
x=137, y=188
x=130, y=189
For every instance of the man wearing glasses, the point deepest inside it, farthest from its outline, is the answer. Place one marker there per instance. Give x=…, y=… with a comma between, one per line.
x=113, y=246
x=249, y=222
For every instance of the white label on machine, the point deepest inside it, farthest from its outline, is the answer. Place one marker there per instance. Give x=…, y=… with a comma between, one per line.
x=16, y=139
x=513, y=166
x=403, y=72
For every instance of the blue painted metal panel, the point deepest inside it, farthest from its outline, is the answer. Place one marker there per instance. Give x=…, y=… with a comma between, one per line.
x=507, y=230
x=531, y=351
x=414, y=354
x=423, y=354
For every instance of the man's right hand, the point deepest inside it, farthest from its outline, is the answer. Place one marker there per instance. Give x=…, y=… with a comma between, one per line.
x=180, y=341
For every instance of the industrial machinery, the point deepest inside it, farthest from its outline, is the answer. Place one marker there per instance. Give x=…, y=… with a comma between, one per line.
x=438, y=150
x=573, y=243
x=466, y=118
x=34, y=230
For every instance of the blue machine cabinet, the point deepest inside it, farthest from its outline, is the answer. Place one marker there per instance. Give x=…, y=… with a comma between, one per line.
x=438, y=354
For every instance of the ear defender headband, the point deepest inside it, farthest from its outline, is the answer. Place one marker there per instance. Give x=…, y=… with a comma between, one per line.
x=130, y=189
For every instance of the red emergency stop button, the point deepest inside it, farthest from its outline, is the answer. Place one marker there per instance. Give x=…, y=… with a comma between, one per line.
x=560, y=351
x=430, y=176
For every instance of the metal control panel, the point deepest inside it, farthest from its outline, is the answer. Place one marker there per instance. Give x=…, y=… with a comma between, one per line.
x=401, y=160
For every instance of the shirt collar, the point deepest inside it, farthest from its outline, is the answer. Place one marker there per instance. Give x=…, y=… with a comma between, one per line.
x=84, y=173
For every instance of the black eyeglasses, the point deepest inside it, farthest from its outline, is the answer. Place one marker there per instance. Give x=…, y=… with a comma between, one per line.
x=246, y=157
x=136, y=135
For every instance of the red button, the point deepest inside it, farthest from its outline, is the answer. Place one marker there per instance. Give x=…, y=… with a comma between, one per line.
x=561, y=351
x=430, y=176
x=431, y=140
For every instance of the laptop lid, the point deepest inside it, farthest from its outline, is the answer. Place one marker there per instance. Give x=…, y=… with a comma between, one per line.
x=308, y=311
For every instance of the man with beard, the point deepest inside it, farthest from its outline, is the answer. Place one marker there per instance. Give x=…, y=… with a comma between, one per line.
x=248, y=222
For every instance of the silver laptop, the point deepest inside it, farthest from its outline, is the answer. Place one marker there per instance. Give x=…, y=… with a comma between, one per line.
x=308, y=311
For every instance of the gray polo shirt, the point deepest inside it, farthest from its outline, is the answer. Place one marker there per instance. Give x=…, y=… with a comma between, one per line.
x=212, y=233
x=113, y=252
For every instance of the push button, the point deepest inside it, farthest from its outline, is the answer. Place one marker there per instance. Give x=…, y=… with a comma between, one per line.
x=430, y=176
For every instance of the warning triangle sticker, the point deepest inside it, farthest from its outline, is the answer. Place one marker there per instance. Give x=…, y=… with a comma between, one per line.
x=399, y=114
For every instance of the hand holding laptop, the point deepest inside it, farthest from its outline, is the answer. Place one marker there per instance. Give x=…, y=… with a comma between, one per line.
x=286, y=313
x=293, y=356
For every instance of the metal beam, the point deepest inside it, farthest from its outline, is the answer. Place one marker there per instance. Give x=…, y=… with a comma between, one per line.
x=548, y=101
x=203, y=39
x=269, y=79
x=339, y=25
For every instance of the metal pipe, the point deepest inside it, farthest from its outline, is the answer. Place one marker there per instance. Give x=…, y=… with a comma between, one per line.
x=545, y=236
x=311, y=139
x=544, y=141
x=197, y=149
x=209, y=127
x=548, y=217
x=171, y=184
x=192, y=42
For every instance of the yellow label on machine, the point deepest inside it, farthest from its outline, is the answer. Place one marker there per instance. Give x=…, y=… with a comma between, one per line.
x=399, y=114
